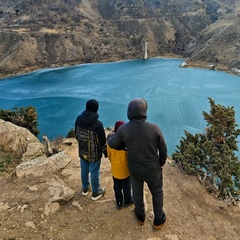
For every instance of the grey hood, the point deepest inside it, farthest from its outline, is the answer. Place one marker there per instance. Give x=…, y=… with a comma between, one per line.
x=137, y=109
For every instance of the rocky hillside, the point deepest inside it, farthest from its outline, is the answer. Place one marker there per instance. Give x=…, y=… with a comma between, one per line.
x=219, y=43
x=41, y=199
x=42, y=34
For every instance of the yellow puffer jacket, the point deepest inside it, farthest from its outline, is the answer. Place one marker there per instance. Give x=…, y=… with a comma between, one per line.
x=119, y=164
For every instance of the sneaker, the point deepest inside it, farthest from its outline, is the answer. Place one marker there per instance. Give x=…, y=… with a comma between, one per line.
x=99, y=194
x=85, y=191
x=140, y=219
x=119, y=205
x=128, y=203
x=157, y=224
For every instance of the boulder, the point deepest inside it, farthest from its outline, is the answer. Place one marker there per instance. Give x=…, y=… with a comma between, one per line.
x=35, y=167
x=15, y=139
x=59, y=190
x=39, y=166
x=51, y=208
x=34, y=150
x=59, y=160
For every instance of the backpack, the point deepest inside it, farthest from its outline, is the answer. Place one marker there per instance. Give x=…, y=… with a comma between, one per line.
x=88, y=144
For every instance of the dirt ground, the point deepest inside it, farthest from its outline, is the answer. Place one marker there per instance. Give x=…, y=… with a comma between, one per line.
x=192, y=214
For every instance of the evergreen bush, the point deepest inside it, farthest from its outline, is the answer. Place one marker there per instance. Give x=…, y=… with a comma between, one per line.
x=211, y=155
x=71, y=133
x=23, y=117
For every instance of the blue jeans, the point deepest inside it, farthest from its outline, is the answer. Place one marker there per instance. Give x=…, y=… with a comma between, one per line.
x=92, y=168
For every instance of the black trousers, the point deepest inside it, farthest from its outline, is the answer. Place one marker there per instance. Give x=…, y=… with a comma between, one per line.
x=123, y=190
x=155, y=183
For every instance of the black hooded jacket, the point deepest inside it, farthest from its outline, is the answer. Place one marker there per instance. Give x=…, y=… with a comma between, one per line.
x=91, y=136
x=144, y=141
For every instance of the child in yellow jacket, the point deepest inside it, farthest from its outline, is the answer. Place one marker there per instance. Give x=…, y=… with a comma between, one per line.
x=121, y=176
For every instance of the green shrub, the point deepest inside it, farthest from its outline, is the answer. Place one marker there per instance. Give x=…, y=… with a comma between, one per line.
x=211, y=155
x=8, y=162
x=71, y=133
x=23, y=117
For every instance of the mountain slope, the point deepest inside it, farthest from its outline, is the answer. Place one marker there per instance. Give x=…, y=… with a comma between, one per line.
x=42, y=34
x=218, y=43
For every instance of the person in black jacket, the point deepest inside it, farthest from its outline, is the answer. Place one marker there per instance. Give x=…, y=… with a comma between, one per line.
x=147, y=153
x=91, y=145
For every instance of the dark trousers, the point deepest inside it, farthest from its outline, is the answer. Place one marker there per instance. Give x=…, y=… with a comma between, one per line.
x=122, y=189
x=155, y=183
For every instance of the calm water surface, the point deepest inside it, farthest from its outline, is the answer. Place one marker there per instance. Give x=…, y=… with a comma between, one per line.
x=176, y=96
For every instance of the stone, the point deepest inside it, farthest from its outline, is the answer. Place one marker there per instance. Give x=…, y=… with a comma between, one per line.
x=35, y=167
x=59, y=161
x=33, y=188
x=34, y=150
x=4, y=206
x=23, y=207
x=171, y=237
x=59, y=190
x=77, y=205
x=30, y=224
x=42, y=164
x=51, y=208
x=15, y=139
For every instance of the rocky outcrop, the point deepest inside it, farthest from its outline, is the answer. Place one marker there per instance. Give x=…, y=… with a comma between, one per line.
x=218, y=44
x=50, y=167
x=42, y=164
x=35, y=35
x=20, y=142
x=34, y=150
x=59, y=190
x=15, y=139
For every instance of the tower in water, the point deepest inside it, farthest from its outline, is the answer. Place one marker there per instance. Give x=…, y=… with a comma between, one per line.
x=145, y=50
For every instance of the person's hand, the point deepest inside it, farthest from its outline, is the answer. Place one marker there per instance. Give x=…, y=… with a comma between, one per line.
x=110, y=134
x=162, y=163
x=104, y=151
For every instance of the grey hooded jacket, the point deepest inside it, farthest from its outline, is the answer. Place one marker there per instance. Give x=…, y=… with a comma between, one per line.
x=147, y=150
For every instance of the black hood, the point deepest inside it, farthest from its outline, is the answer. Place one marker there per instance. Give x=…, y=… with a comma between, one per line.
x=87, y=118
x=137, y=109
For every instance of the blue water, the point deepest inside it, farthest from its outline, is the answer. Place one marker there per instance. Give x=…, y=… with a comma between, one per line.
x=176, y=96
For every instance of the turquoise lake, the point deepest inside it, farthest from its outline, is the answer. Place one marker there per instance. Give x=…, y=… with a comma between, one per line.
x=176, y=96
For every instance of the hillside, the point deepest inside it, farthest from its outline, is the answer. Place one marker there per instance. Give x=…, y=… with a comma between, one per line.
x=192, y=214
x=44, y=34
x=224, y=33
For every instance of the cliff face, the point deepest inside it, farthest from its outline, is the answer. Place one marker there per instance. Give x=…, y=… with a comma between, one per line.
x=218, y=44
x=41, y=34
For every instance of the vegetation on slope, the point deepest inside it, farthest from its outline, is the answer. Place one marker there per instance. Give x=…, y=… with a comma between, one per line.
x=211, y=155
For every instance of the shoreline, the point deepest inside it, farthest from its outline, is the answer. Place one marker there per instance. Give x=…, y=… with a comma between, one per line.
x=188, y=64
x=217, y=67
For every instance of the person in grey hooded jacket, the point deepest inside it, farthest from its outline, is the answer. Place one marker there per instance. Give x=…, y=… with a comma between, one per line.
x=147, y=153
